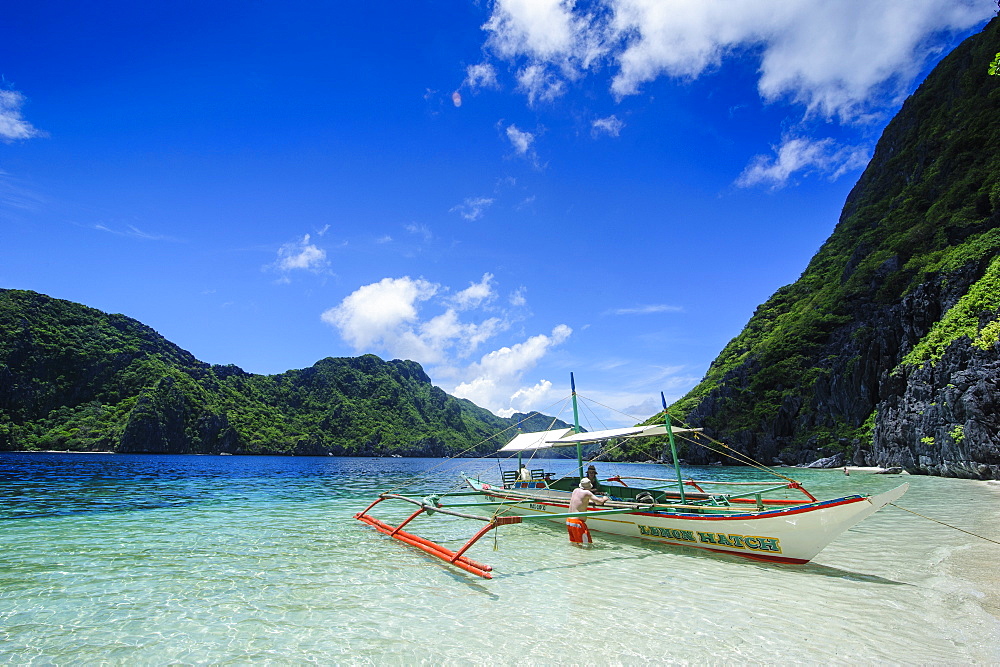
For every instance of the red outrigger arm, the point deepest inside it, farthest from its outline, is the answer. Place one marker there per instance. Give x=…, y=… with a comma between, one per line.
x=455, y=558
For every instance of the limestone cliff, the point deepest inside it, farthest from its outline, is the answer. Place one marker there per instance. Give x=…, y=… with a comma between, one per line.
x=886, y=348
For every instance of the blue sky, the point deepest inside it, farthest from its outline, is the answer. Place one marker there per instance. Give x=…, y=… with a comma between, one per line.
x=503, y=191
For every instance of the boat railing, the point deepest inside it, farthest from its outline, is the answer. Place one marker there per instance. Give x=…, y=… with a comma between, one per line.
x=697, y=484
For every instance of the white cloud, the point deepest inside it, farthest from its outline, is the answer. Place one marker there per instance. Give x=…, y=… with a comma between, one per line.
x=472, y=208
x=374, y=316
x=12, y=125
x=301, y=255
x=521, y=140
x=539, y=84
x=494, y=381
x=542, y=29
x=388, y=317
x=475, y=294
x=834, y=60
x=845, y=63
x=481, y=76
x=517, y=298
x=385, y=317
x=609, y=126
x=801, y=154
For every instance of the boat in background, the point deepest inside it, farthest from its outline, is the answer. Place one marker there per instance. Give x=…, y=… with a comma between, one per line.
x=739, y=518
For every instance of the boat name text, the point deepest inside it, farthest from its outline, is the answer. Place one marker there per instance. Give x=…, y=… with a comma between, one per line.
x=752, y=542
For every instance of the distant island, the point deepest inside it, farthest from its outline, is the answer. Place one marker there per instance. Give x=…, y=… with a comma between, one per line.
x=74, y=378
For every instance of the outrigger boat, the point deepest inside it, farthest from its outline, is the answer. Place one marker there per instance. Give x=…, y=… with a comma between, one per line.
x=671, y=511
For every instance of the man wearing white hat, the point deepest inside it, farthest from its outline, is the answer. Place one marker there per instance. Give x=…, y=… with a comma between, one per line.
x=578, y=502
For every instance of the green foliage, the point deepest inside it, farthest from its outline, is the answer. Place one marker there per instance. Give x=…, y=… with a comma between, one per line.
x=963, y=319
x=994, y=67
x=865, y=432
x=957, y=434
x=74, y=378
x=927, y=440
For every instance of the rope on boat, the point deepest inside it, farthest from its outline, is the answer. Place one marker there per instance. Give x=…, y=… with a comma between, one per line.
x=947, y=525
x=736, y=455
x=416, y=478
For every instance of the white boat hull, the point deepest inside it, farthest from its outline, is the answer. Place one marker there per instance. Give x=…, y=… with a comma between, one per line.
x=788, y=535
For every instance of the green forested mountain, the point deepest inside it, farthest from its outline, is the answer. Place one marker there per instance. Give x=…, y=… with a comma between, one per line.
x=885, y=349
x=76, y=378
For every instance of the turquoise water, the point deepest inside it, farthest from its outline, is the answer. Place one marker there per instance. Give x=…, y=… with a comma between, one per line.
x=121, y=559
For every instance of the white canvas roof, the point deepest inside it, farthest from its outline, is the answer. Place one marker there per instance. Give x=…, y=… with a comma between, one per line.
x=565, y=436
x=537, y=440
x=630, y=432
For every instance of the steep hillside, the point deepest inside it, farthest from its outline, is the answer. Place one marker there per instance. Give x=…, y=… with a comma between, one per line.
x=885, y=349
x=76, y=378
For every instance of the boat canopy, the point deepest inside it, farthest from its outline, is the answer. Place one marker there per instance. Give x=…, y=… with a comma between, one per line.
x=565, y=437
x=630, y=432
x=536, y=440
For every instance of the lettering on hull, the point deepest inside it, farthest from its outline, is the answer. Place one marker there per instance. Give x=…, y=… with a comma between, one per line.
x=750, y=542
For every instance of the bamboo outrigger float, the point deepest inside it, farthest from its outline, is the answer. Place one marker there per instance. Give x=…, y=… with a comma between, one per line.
x=672, y=511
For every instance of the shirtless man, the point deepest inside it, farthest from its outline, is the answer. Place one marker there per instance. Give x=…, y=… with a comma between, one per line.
x=578, y=502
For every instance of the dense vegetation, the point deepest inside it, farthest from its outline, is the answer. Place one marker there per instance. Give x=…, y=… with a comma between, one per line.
x=74, y=378
x=910, y=271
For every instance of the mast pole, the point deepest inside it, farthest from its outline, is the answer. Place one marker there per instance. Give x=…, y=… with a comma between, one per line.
x=576, y=425
x=519, y=431
x=673, y=447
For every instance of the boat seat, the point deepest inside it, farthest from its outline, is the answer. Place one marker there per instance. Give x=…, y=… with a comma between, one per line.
x=508, y=477
x=538, y=474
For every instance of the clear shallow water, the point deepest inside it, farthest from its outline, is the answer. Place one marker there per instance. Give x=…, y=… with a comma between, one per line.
x=229, y=560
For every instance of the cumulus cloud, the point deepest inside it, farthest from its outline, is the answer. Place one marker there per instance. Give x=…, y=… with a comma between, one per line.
x=495, y=379
x=476, y=294
x=300, y=255
x=385, y=317
x=12, y=125
x=374, y=315
x=521, y=140
x=391, y=317
x=832, y=60
x=546, y=30
x=473, y=207
x=801, y=154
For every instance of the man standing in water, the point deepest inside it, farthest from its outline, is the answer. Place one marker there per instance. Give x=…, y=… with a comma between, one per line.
x=578, y=502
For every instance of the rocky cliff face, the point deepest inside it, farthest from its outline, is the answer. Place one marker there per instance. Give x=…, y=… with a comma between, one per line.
x=886, y=349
